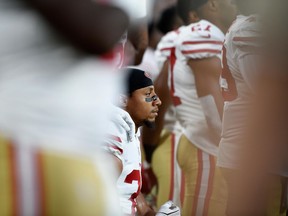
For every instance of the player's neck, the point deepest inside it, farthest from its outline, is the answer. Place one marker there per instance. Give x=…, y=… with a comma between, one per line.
x=222, y=26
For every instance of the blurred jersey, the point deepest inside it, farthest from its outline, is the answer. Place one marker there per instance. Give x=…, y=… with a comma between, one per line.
x=239, y=64
x=196, y=41
x=54, y=107
x=149, y=63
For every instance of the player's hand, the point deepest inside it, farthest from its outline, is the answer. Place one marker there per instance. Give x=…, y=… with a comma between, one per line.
x=148, y=178
x=169, y=208
x=124, y=120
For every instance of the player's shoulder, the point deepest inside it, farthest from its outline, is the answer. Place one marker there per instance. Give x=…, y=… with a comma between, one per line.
x=168, y=40
x=201, y=40
x=202, y=30
x=116, y=135
x=166, y=45
x=116, y=131
x=115, y=140
x=245, y=31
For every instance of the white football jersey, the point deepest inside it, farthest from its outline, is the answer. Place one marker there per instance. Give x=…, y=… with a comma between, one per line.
x=149, y=63
x=239, y=64
x=128, y=151
x=55, y=99
x=165, y=46
x=196, y=41
x=162, y=53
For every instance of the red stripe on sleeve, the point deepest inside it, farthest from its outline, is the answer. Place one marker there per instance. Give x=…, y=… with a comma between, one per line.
x=202, y=51
x=245, y=39
x=203, y=42
x=166, y=49
x=117, y=148
x=116, y=138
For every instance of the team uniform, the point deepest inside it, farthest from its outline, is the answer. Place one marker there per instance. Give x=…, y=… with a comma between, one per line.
x=54, y=108
x=127, y=150
x=149, y=63
x=205, y=191
x=164, y=164
x=239, y=73
x=236, y=86
x=43, y=181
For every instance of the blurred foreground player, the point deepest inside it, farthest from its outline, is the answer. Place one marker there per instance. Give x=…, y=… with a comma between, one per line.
x=54, y=106
x=250, y=148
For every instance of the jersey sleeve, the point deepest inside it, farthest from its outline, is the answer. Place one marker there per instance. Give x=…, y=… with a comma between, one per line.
x=164, y=48
x=115, y=140
x=201, y=42
x=246, y=44
x=246, y=39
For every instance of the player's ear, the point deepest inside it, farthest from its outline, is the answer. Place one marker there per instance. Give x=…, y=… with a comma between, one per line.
x=193, y=17
x=123, y=99
x=213, y=5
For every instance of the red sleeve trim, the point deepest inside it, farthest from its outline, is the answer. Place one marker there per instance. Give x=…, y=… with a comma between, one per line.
x=115, y=138
x=245, y=39
x=116, y=148
x=201, y=51
x=203, y=42
x=166, y=49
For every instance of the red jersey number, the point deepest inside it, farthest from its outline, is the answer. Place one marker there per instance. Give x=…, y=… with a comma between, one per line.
x=134, y=176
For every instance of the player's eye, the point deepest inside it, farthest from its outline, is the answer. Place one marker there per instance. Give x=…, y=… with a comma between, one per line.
x=153, y=98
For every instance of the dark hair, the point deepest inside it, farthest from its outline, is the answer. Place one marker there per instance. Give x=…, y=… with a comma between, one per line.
x=151, y=28
x=185, y=6
x=135, y=79
x=167, y=19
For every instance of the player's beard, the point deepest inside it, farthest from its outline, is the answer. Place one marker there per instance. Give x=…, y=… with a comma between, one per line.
x=150, y=124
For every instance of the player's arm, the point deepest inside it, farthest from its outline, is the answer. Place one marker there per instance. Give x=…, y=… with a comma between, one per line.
x=207, y=73
x=87, y=25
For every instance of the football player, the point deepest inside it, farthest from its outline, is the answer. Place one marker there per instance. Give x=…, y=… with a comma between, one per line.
x=196, y=95
x=141, y=104
x=54, y=106
x=246, y=147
